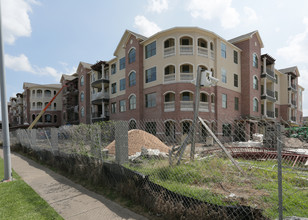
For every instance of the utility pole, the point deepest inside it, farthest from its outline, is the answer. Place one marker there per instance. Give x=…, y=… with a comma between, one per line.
x=5, y=121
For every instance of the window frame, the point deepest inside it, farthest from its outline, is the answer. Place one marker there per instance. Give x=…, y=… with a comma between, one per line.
x=132, y=55
x=235, y=56
x=224, y=101
x=223, y=50
x=113, y=68
x=223, y=75
x=149, y=75
x=132, y=102
x=150, y=50
x=82, y=81
x=235, y=79
x=255, y=60
x=255, y=83
x=236, y=103
x=113, y=107
x=150, y=101
x=81, y=97
x=255, y=105
x=122, y=63
x=132, y=82
x=122, y=105
x=114, y=88
x=122, y=84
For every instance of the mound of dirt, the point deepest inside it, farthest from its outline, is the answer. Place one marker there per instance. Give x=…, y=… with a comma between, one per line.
x=294, y=143
x=138, y=139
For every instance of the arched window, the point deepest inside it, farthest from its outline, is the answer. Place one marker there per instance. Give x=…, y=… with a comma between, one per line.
x=132, y=125
x=169, y=49
x=39, y=93
x=203, y=97
x=132, y=78
x=47, y=93
x=49, y=107
x=255, y=105
x=33, y=117
x=169, y=73
x=54, y=106
x=81, y=81
x=255, y=60
x=132, y=55
x=33, y=105
x=132, y=102
x=55, y=119
x=169, y=43
x=255, y=83
x=186, y=68
x=186, y=96
x=202, y=43
x=212, y=46
x=39, y=105
x=82, y=112
x=212, y=98
x=81, y=97
x=186, y=127
x=47, y=118
x=33, y=93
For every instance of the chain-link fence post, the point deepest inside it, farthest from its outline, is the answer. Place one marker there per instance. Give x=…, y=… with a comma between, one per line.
x=33, y=134
x=279, y=160
x=121, y=141
x=54, y=139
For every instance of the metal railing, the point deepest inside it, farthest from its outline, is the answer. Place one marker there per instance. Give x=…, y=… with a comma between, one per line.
x=99, y=95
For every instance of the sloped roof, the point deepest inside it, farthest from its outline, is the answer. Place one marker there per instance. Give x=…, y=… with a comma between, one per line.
x=86, y=65
x=68, y=77
x=246, y=37
x=27, y=85
x=288, y=70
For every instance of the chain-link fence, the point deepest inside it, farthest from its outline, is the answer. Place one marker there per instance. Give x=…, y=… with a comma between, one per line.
x=218, y=169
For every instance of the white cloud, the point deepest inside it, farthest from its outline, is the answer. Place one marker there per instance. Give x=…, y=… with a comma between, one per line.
x=145, y=27
x=22, y=63
x=250, y=14
x=297, y=46
x=220, y=9
x=158, y=5
x=15, y=19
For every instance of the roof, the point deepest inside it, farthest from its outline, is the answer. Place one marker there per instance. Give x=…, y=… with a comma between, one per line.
x=27, y=85
x=246, y=37
x=86, y=65
x=288, y=70
x=68, y=77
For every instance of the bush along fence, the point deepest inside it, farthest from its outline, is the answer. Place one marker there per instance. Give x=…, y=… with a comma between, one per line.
x=218, y=169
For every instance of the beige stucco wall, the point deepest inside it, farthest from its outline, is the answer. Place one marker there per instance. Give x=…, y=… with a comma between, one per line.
x=120, y=74
x=43, y=99
x=284, y=96
x=278, y=87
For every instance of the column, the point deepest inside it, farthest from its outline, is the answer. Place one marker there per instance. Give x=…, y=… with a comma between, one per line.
x=289, y=81
x=103, y=110
x=265, y=108
x=264, y=87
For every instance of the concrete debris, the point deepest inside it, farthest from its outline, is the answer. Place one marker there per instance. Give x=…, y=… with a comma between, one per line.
x=148, y=153
x=257, y=137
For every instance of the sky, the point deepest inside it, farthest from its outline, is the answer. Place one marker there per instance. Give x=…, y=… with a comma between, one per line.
x=44, y=39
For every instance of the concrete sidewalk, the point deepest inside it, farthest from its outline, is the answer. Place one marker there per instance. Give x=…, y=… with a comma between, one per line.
x=69, y=199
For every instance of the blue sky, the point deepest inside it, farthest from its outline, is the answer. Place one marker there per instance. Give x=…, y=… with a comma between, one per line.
x=44, y=39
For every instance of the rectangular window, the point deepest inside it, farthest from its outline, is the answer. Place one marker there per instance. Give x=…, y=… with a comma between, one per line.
x=223, y=75
x=113, y=88
x=122, y=106
x=276, y=112
x=122, y=84
x=235, y=57
x=276, y=95
x=113, y=68
x=113, y=107
x=122, y=63
x=235, y=80
x=276, y=78
x=223, y=50
x=236, y=101
x=150, y=127
x=226, y=130
x=150, y=100
x=150, y=50
x=224, y=100
x=150, y=75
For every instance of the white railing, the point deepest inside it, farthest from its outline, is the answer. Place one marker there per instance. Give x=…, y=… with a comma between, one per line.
x=169, y=77
x=213, y=107
x=186, y=76
x=204, y=107
x=100, y=95
x=187, y=105
x=186, y=50
x=212, y=55
x=169, y=51
x=203, y=51
x=169, y=106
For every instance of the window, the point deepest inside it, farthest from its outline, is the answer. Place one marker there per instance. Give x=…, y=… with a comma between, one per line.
x=223, y=75
x=255, y=60
x=113, y=88
x=113, y=68
x=54, y=106
x=150, y=100
x=226, y=130
x=150, y=127
x=235, y=80
x=224, y=101
x=47, y=93
x=186, y=96
x=54, y=92
x=55, y=119
x=276, y=95
x=150, y=50
x=132, y=78
x=212, y=46
x=33, y=105
x=276, y=112
x=81, y=97
x=185, y=68
x=33, y=93
x=113, y=107
x=169, y=43
x=150, y=75
x=203, y=97
x=255, y=105
x=122, y=106
x=236, y=101
x=276, y=78
x=81, y=81
x=39, y=93
x=33, y=117
x=39, y=105
x=132, y=102
x=185, y=127
x=122, y=63
x=132, y=125
x=223, y=50
x=132, y=56
x=122, y=84
x=47, y=118
x=255, y=83
x=235, y=56
x=82, y=112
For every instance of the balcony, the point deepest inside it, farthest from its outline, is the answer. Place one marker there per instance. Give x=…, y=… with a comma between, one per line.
x=169, y=106
x=293, y=87
x=186, y=50
x=99, y=79
x=202, y=51
x=99, y=116
x=269, y=74
x=169, y=77
x=270, y=95
x=169, y=51
x=187, y=105
x=293, y=102
x=270, y=114
x=186, y=76
x=98, y=97
x=204, y=107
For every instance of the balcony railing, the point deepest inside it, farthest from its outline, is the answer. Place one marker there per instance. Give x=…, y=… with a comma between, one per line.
x=204, y=107
x=293, y=102
x=270, y=72
x=186, y=50
x=100, y=114
x=203, y=51
x=270, y=93
x=293, y=118
x=169, y=106
x=169, y=51
x=169, y=77
x=187, y=105
x=293, y=86
x=100, y=95
x=270, y=114
x=186, y=76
